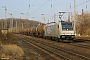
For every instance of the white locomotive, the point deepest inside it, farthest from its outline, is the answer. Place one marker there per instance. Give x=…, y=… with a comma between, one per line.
x=61, y=30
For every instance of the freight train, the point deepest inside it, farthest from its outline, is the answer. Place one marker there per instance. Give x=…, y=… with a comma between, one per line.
x=54, y=31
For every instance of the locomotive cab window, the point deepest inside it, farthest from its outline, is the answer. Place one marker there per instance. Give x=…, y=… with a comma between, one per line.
x=67, y=26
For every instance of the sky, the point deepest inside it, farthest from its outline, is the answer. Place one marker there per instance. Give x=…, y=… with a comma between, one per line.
x=40, y=9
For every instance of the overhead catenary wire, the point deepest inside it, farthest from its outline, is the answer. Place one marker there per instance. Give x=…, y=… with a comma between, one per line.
x=40, y=7
x=51, y=6
x=78, y=5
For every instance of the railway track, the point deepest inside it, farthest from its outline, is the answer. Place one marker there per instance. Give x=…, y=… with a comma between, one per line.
x=70, y=52
x=28, y=51
x=76, y=53
x=44, y=54
x=66, y=51
x=81, y=45
x=57, y=51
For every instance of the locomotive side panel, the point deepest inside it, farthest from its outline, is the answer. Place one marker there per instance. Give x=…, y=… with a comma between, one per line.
x=52, y=30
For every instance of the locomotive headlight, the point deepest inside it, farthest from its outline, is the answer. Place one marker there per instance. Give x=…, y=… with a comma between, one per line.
x=67, y=29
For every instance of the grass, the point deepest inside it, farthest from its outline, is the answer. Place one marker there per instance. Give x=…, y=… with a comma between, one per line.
x=11, y=51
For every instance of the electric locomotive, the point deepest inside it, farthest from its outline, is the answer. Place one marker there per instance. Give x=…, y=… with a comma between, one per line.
x=60, y=31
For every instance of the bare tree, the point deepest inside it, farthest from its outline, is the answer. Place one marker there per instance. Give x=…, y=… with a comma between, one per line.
x=84, y=24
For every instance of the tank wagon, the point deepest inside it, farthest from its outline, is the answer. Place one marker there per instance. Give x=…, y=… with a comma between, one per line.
x=34, y=30
x=41, y=30
x=30, y=31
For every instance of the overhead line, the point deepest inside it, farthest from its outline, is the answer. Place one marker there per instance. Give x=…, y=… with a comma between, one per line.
x=79, y=5
x=40, y=7
x=66, y=10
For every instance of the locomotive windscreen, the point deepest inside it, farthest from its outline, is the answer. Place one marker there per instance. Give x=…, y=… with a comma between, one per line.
x=67, y=26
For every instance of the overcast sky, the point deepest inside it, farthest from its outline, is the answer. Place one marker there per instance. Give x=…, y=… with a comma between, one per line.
x=35, y=8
